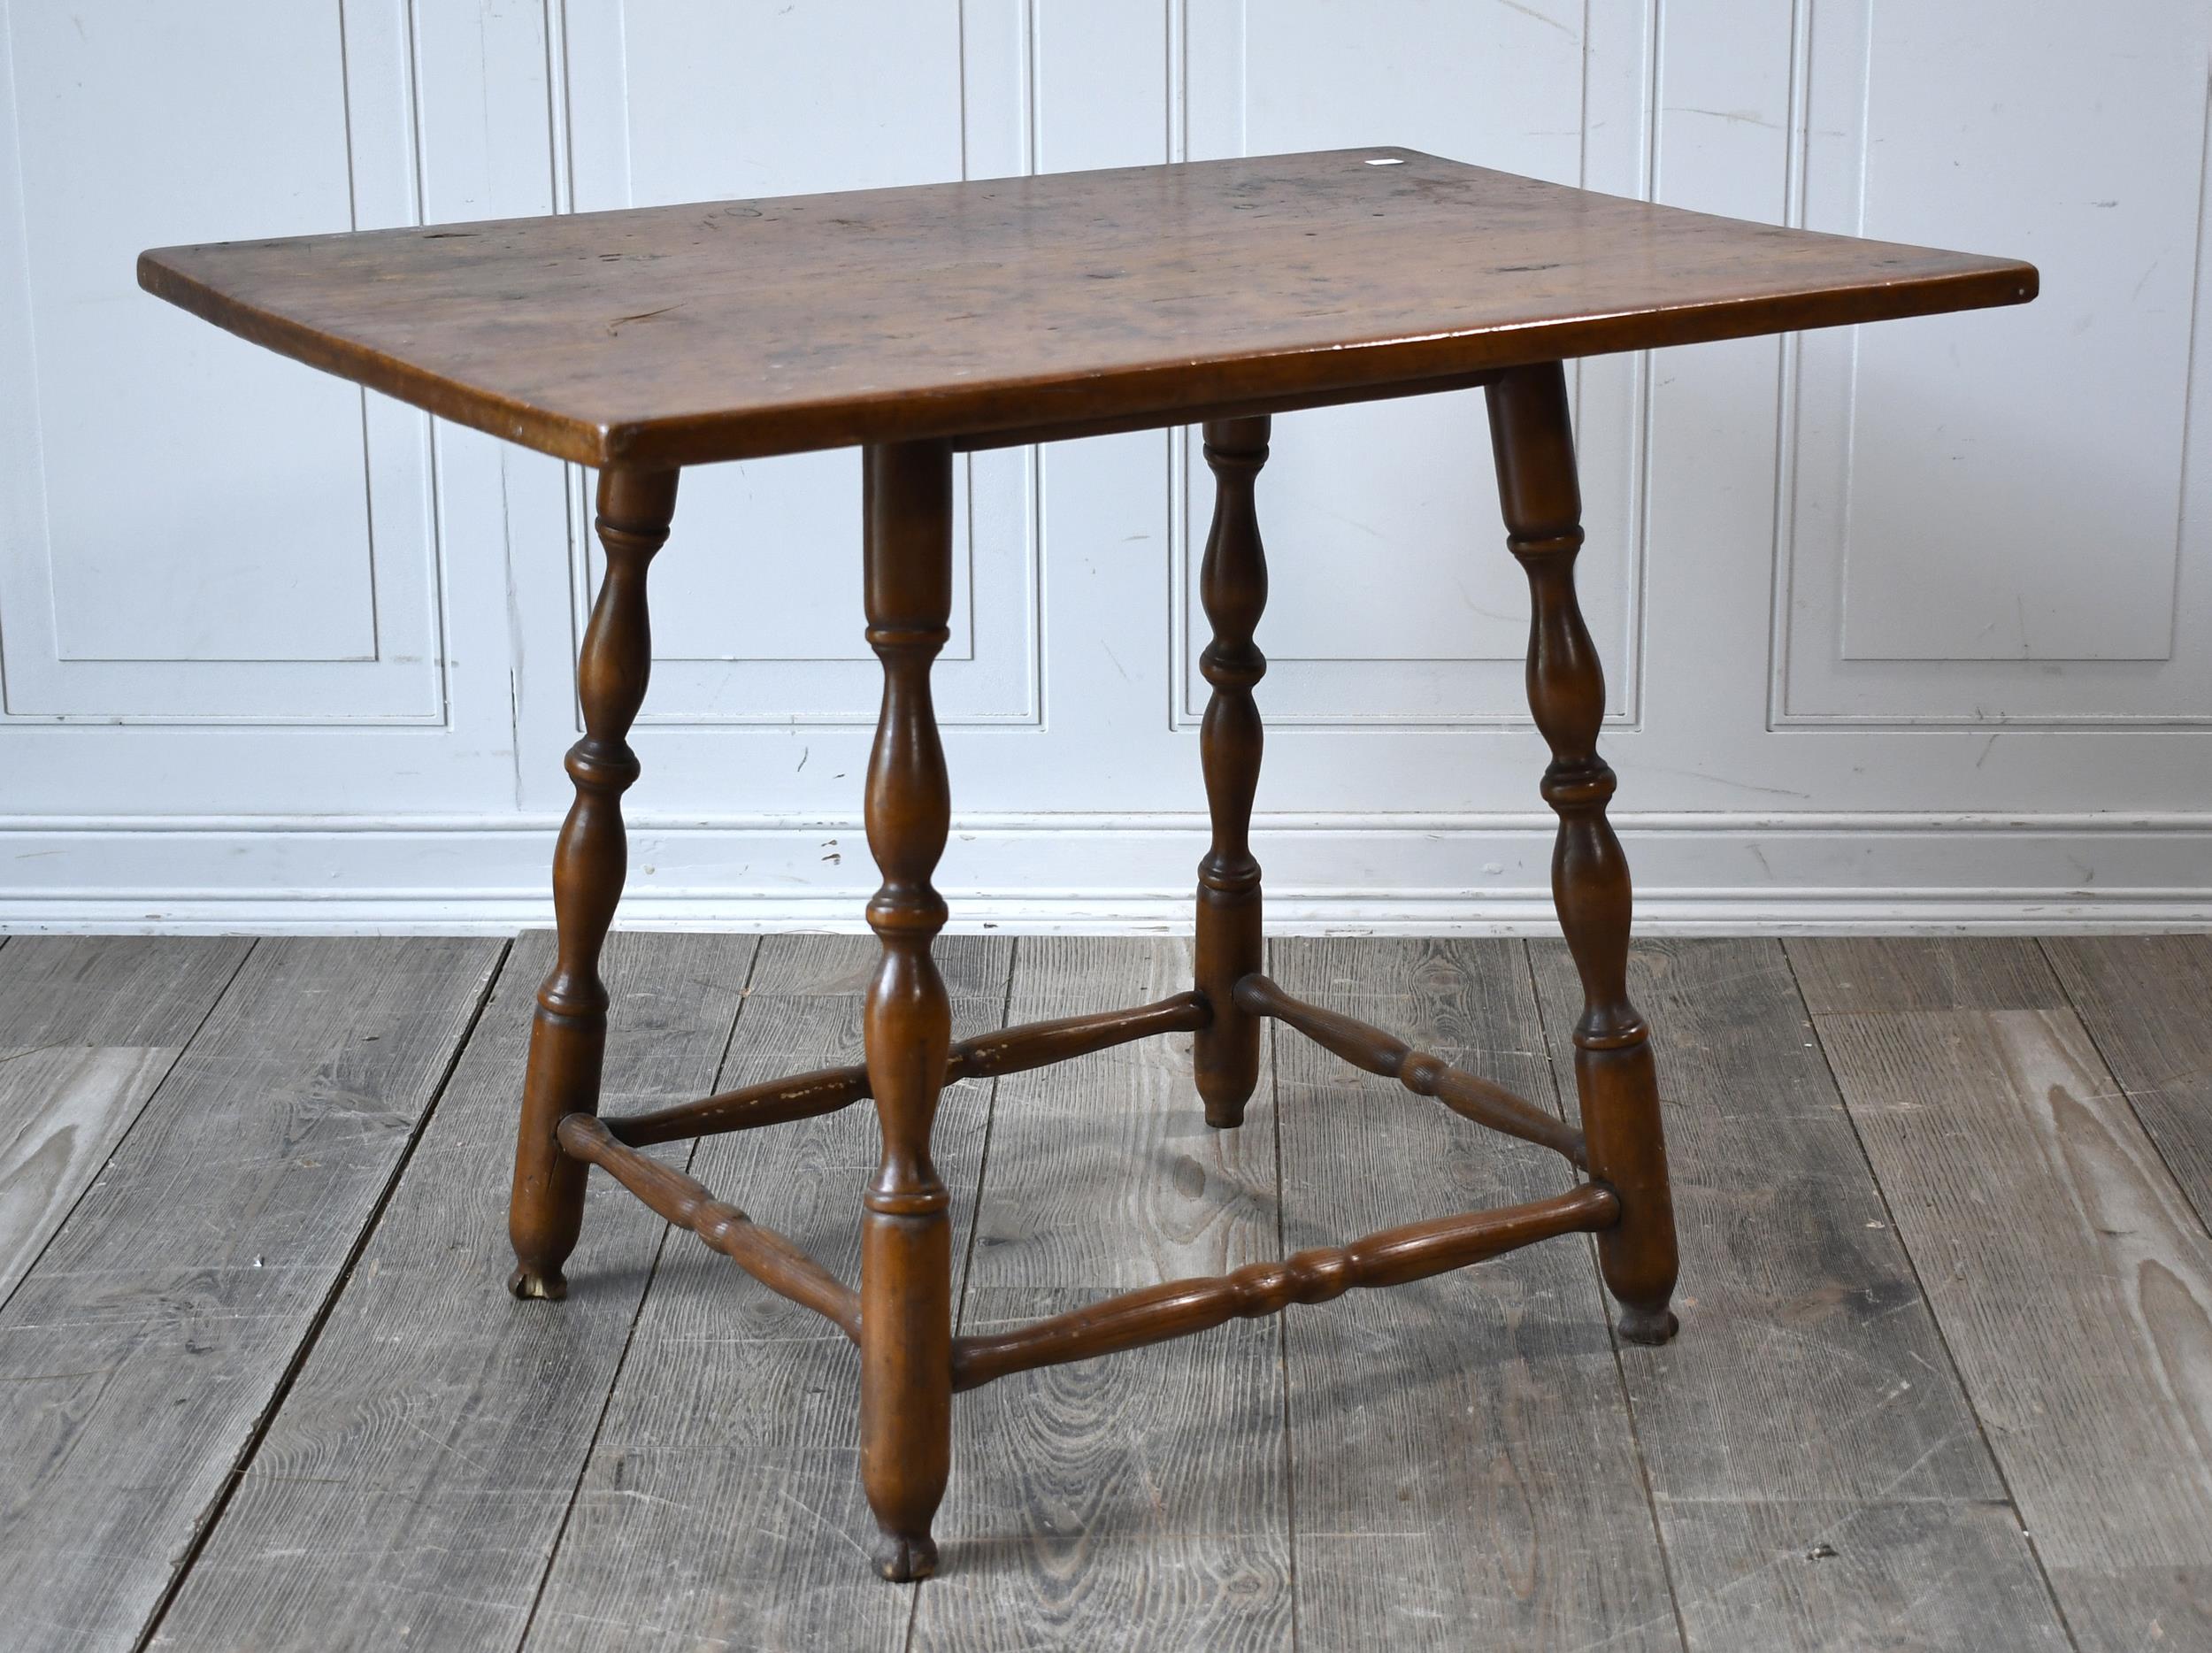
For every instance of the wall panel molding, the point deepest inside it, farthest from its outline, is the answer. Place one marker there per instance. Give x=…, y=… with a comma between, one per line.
x=1725, y=873
x=2071, y=603
x=1447, y=658
x=761, y=573
x=196, y=532
x=275, y=654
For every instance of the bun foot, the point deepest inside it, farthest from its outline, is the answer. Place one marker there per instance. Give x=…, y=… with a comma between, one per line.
x=1648, y=1326
x=526, y=1283
x=904, y=1560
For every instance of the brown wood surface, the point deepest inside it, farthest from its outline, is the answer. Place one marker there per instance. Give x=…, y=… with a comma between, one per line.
x=722, y=1503
x=777, y=1101
x=1809, y=1405
x=439, y=1427
x=1232, y=590
x=1027, y=1045
x=906, y=1227
x=723, y=330
x=768, y=1257
x=143, y=1351
x=1366, y=1045
x=1532, y=435
x=88, y=1026
x=825, y=1090
x=2147, y=1000
x=568, y=1036
x=2074, y=1287
x=1178, y=1308
x=1133, y=1502
x=1464, y=1471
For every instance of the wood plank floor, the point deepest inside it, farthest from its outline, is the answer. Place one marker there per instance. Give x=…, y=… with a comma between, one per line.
x=1945, y=1376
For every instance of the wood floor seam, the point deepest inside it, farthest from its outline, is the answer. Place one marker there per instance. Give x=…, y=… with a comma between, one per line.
x=2067, y=1265
x=1620, y=1371
x=967, y=1253
x=55, y=1233
x=2127, y=1093
x=637, y=1313
x=1888, y=1422
x=1943, y=1339
x=1272, y=1038
x=212, y=1517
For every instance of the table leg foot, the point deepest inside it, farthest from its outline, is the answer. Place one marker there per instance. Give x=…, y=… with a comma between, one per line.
x=529, y=1285
x=904, y=1559
x=1647, y=1325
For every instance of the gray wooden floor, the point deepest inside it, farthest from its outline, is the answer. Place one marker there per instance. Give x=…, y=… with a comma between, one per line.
x=1945, y=1376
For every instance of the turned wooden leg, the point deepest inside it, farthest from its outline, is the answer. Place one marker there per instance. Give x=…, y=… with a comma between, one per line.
x=569, y=1036
x=1233, y=585
x=906, y=1234
x=1535, y=442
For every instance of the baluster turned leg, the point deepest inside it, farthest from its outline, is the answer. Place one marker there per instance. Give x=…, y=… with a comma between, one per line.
x=1618, y=1091
x=569, y=1036
x=1233, y=585
x=906, y=1234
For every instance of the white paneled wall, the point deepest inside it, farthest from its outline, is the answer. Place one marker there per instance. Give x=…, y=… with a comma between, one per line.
x=1910, y=625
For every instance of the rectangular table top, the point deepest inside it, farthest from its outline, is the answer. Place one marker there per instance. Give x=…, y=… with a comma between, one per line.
x=1057, y=303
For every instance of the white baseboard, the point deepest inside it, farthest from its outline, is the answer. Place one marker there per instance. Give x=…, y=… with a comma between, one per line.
x=1380, y=874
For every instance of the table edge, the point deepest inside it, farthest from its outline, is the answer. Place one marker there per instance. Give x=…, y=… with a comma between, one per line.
x=1153, y=395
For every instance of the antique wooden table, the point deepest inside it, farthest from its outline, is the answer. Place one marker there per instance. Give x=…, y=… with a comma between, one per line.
x=918, y=323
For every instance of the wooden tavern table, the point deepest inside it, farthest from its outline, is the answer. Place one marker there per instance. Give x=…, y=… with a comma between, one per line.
x=921, y=323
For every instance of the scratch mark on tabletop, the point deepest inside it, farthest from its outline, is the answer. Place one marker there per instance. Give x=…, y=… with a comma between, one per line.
x=615, y=327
